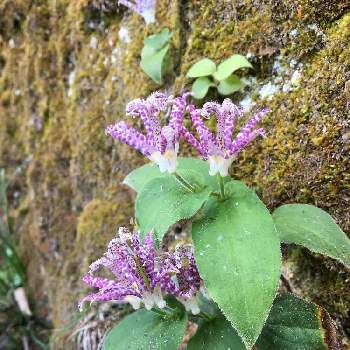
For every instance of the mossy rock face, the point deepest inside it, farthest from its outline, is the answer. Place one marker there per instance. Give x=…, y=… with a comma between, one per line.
x=67, y=70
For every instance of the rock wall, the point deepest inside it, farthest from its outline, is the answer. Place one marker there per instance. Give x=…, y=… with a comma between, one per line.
x=68, y=68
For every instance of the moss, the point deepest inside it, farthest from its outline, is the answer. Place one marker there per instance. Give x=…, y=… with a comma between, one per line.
x=319, y=11
x=310, y=274
x=305, y=160
x=217, y=36
x=96, y=226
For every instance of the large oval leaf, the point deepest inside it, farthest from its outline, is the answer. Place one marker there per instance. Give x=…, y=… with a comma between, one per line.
x=164, y=201
x=217, y=334
x=296, y=324
x=202, y=68
x=238, y=254
x=226, y=68
x=138, y=178
x=145, y=330
x=314, y=229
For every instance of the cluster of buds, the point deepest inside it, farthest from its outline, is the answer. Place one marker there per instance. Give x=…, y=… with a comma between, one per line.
x=161, y=144
x=144, y=276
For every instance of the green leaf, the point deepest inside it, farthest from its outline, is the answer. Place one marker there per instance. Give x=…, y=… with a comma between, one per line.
x=314, y=229
x=164, y=201
x=217, y=334
x=296, y=324
x=145, y=330
x=154, y=66
x=147, y=52
x=226, y=68
x=157, y=41
x=202, y=68
x=138, y=178
x=238, y=254
x=200, y=87
x=230, y=85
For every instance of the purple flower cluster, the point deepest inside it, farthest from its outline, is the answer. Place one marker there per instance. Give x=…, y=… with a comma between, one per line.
x=219, y=149
x=143, y=275
x=145, y=8
x=161, y=144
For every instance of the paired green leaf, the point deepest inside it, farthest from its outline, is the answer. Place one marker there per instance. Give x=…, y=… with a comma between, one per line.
x=145, y=330
x=226, y=68
x=217, y=334
x=295, y=324
x=202, y=68
x=200, y=87
x=139, y=177
x=314, y=229
x=164, y=201
x=238, y=254
x=230, y=85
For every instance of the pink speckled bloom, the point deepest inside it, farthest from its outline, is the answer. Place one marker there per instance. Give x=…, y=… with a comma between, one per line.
x=219, y=149
x=143, y=276
x=160, y=144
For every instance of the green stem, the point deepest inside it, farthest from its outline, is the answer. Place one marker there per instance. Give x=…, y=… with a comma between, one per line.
x=184, y=182
x=204, y=316
x=222, y=186
x=159, y=311
x=167, y=312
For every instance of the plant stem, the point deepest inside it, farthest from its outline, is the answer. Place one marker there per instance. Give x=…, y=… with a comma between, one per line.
x=214, y=194
x=167, y=312
x=159, y=311
x=204, y=316
x=184, y=182
x=222, y=186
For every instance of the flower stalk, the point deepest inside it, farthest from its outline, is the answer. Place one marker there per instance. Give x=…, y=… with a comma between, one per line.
x=222, y=186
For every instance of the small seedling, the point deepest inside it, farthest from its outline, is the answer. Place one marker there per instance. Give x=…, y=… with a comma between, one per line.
x=209, y=75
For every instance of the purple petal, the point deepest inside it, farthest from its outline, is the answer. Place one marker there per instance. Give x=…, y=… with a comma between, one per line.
x=130, y=136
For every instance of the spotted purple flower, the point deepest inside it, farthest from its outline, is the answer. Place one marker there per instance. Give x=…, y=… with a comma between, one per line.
x=188, y=278
x=220, y=149
x=160, y=144
x=142, y=275
x=145, y=8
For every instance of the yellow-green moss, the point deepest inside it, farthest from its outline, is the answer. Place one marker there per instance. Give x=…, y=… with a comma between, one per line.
x=305, y=159
x=96, y=226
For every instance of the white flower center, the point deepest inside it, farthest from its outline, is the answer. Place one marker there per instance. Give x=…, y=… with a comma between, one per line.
x=167, y=161
x=154, y=298
x=191, y=305
x=149, y=16
x=134, y=301
x=219, y=165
